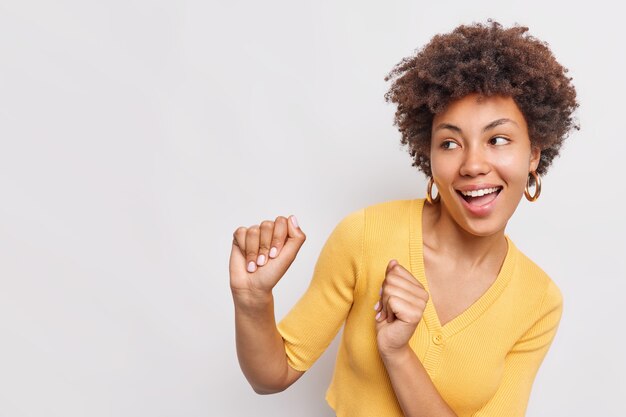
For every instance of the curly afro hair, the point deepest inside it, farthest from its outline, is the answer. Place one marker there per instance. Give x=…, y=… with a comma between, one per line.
x=489, y=60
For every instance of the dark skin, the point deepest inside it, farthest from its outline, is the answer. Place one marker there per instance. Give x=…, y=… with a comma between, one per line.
x=477, y=142
x=483, y=145
x=260, y=348
x=495, y=61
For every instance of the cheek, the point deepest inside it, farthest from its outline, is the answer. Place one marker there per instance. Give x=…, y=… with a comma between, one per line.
x=514, y=170
x=443, y=166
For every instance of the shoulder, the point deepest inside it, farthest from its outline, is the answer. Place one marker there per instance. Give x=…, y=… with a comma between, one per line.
x=370, y=223
x=391, y=206
x=386, y=216
x=390, y=212
x=536, y=281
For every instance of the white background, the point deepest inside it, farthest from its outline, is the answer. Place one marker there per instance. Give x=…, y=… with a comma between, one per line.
x=136, y=135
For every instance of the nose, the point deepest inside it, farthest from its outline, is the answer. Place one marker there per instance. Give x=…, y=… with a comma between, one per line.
x=475, y=162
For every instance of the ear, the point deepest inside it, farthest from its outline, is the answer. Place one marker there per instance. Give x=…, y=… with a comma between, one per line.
x=535, y=157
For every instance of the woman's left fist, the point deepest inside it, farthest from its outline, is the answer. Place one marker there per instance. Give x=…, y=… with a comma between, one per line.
x=399, y=309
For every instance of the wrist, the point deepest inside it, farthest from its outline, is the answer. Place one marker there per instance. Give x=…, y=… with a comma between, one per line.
x=395, y=354
x=252, y=300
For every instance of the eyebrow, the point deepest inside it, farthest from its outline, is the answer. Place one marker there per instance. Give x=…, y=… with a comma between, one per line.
x=491, y=125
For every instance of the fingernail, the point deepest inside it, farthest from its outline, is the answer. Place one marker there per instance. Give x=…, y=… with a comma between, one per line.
x=294, y=221
x=273, y=252
x=378, y=315
x=261, y=260
x=377, y=304
x=251, y=266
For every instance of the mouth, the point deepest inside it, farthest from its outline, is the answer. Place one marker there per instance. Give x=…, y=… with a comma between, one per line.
x=480, y=197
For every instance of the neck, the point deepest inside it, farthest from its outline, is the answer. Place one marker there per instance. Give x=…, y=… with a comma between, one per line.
x=442, y=234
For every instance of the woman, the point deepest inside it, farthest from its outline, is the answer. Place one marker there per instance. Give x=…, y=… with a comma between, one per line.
x=443, y=315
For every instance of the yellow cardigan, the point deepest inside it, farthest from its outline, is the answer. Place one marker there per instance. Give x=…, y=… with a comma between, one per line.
x=483, y=362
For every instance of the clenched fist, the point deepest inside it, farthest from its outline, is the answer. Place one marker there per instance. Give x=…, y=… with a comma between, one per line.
x=399, y=309
x=261, y=254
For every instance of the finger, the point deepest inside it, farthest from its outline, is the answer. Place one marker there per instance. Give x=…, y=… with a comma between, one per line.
x=390, y=265
x=267, y=231
x=252, y=247
x=396, y=291
x=382, y=313
x=407, y=284
x=400, y=288
x=391, y=316
x=386, y=313
x=378, y=307
x=404, y=311
x=392, y=292
x=393, y=267
x=382, y=305
x=384, y=310
x=279, y=237
x=237, y=257
x=416, y=300
x=295, y=239
x=393, y=304
x=239, y=239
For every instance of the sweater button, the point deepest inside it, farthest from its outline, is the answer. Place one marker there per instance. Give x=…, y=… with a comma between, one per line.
x=438, y=339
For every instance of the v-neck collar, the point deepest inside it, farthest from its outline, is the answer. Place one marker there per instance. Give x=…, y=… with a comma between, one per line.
x=416, y=253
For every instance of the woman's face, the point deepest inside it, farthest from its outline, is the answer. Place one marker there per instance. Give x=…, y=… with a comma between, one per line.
x=480, y=157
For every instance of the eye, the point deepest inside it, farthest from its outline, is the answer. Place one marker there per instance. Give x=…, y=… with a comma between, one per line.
x=499, y=140
x=449, y=144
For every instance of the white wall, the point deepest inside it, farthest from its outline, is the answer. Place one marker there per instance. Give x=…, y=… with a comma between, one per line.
x=136, y=135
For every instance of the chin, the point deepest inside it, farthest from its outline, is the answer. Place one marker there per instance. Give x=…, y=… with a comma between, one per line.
x=483, y=230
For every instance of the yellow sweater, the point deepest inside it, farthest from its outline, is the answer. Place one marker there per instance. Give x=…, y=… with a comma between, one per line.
x=483, y=362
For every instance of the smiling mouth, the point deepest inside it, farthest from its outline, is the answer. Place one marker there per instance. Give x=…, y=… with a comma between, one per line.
x=480, y=197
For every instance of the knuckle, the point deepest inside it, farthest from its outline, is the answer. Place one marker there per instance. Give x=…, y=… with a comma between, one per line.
x=396, y=268
x=390, y=289
x=392, y=273
x=280, y=232
x=391, y=279
x=267, y=225
x=280, y=219
x=254, y=230
x=280, y=235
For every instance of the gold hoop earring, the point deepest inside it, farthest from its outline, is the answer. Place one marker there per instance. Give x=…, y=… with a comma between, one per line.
x=429, y=191
x=529, y=197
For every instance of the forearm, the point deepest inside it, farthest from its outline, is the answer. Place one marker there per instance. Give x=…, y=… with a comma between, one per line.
x=260, y=347
x=415, y=391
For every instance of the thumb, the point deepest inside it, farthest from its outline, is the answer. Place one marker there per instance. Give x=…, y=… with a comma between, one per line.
x=295, y=239
x=237, y=258
x=390, y=265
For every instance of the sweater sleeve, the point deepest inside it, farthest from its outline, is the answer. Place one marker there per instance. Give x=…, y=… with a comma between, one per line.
x=313, y=322
x=523, y=361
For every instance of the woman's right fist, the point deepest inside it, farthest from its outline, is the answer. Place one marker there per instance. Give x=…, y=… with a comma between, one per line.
x=261, y=254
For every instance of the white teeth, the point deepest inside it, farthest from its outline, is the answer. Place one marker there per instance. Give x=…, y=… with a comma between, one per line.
x=479, y=193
